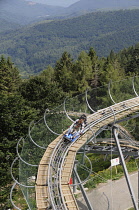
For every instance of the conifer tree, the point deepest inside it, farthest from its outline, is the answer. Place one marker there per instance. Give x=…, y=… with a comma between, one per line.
x=63, y=72
x=9, y=76
x=15, y=117
x=42, y=91
x=82, y=72
x=96, y=67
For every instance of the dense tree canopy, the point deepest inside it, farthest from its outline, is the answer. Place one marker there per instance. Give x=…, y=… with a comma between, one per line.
x=42, y=91
x=9, y=77
x=24, y=100
x=15, y=116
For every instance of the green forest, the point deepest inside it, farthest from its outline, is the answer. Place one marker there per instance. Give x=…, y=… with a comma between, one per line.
x=36, y=46
x=24, y=100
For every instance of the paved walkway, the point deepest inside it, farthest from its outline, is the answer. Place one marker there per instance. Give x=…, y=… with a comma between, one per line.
x=113, y=195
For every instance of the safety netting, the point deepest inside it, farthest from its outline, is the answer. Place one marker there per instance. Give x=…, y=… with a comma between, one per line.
x=54, y=122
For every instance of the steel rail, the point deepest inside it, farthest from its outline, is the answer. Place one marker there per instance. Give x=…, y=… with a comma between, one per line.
x=29, y=132
x=15, y=179
x=62, y=163
x=88, y=103
x=110, y=114
x=48, y=126
x=134, y=105
x=54, y=193
x=11, y=193
x=56, y=149
x=59, y=167
x=66, y=111
x=20, y=156
x=133, y=85
x=109, y=91
x=95, y=119
x=128, y=137
x=85, y=180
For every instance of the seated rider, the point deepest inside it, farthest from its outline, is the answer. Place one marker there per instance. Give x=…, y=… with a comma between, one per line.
x=77, y=127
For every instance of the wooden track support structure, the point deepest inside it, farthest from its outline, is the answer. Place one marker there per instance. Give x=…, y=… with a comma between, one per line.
x=41, y=187
x=95, y=121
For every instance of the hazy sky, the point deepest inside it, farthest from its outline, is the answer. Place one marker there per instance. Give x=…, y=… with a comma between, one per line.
x=63, y=3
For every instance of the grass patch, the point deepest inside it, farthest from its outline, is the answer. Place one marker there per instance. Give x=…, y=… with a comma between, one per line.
x=112, y=173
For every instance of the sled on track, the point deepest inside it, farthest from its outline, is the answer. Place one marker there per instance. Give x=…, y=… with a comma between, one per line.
x=70, y=137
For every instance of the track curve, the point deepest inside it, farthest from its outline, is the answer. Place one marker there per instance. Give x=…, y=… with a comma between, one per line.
x=55, y=168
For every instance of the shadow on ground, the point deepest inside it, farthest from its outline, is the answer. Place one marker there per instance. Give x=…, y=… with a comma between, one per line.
x=81, y=205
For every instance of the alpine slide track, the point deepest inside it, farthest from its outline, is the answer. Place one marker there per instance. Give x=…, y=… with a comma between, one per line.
x=47, y=162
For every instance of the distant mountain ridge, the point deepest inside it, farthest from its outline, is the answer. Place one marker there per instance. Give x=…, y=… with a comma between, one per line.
x=23, y=12
x=62, y=3
x=34, y=47
x=93, y=4
x=101, y=5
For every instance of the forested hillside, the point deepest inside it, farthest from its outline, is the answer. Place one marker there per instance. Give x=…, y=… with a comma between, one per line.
x=24, y=100
x=7, y=25
x=35, y=47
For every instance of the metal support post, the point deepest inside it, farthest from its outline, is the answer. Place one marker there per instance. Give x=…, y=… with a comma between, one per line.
x=124, y=168
x=82, y=189
x=83, y=155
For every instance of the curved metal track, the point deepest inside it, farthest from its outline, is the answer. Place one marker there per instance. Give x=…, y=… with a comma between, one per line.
x=52, y=185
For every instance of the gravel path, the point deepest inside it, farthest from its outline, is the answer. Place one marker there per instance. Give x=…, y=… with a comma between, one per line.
x=113, y=195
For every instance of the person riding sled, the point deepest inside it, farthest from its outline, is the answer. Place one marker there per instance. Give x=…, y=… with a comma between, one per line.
x=77, y=127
